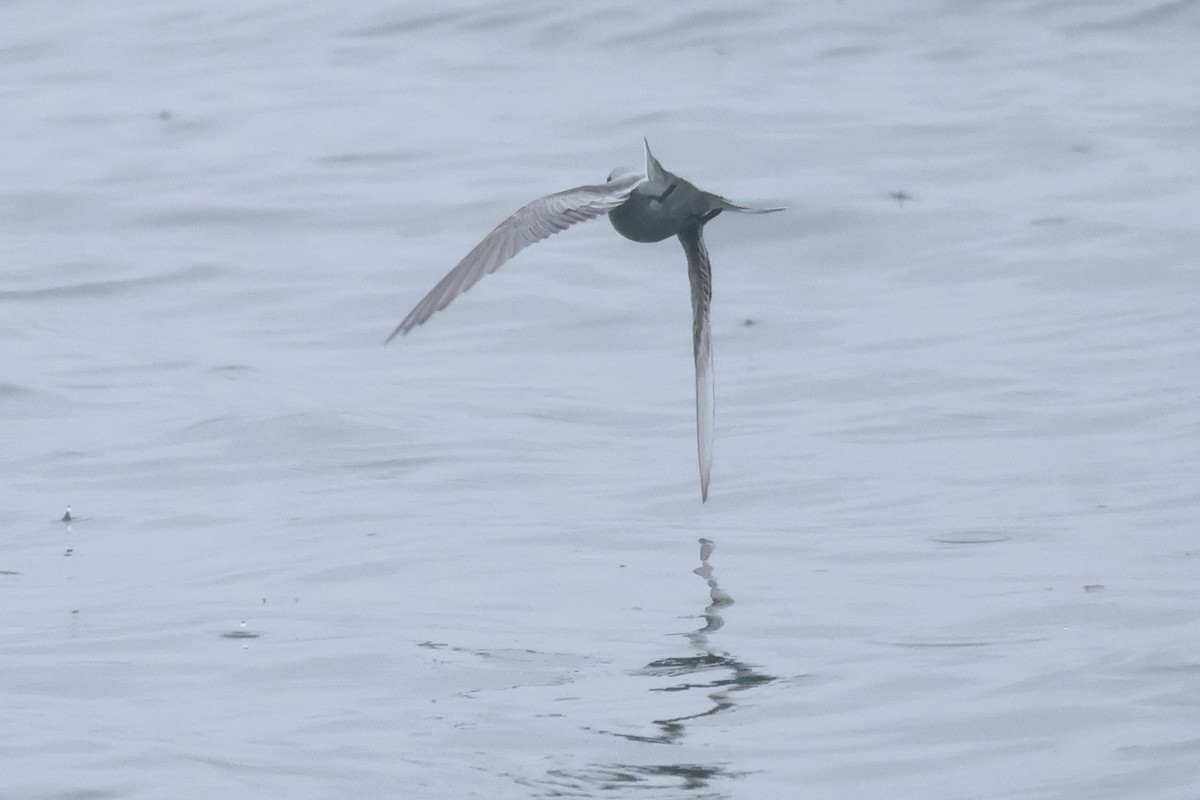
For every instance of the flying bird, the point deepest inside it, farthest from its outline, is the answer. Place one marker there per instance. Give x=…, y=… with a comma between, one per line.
x=644, y=208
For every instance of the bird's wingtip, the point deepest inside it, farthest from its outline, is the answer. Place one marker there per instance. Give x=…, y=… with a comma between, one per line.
x=654, y=170
x=398, y=332
x=731, y=206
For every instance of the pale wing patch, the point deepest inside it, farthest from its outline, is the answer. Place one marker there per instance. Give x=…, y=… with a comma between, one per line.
x=531, y=223
x=700, y=277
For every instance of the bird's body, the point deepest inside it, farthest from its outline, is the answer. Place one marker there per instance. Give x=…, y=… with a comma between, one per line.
x=658, y=208
x=647, y=209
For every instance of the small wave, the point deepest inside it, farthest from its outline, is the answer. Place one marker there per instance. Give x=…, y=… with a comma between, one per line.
x=111, y=287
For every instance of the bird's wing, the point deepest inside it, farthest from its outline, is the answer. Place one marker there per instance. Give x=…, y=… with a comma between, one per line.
x=700, y=275
x=532, y=223
x=727, y=205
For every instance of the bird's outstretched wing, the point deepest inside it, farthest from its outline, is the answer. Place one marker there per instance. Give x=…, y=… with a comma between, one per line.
x=532, y=223
x=700, y=275
x=728, y=205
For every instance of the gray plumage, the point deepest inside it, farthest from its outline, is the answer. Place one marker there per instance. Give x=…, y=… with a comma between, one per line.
x=646, y=208
x=538, y=220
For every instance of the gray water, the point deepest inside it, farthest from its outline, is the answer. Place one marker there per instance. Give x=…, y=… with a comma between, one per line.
x=957, y=475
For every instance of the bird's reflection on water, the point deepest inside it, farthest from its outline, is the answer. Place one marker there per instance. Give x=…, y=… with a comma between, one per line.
x=718, y=675
x=706, y=668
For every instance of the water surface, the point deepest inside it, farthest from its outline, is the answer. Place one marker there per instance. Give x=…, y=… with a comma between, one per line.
x=955, y=496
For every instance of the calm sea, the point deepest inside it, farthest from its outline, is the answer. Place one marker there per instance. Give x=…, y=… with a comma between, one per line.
x=956, y=491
